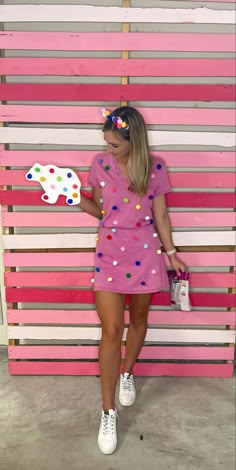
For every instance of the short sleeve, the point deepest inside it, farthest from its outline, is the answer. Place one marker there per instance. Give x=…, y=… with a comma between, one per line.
x=162, y=184
x=92, y=178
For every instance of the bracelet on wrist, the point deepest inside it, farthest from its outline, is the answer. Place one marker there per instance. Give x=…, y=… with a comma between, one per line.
x=171, y=252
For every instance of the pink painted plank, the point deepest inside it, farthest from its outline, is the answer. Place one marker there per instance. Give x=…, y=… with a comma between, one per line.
x=177, y=199
x=67, y=219
x=154, y=369
x=87, y=259
x=115, y=67
x=85, y=157
x=75, y=41
x=79, y=279
x=178, y=179
x=91, y=114
x=107, y=92
x=147, y=352
x=87, y=296
x=156, y=317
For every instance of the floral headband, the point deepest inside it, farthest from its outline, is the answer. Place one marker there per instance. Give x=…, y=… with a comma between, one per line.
x=117, y=121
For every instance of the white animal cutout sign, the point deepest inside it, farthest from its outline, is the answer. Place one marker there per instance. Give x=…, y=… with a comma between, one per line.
x=56, y=181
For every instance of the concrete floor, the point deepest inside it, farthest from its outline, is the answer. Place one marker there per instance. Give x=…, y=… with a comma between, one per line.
x=50, y=423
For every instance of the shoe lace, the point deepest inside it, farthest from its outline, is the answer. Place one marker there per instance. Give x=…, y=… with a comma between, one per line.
x=126, y=384
x=108, y=423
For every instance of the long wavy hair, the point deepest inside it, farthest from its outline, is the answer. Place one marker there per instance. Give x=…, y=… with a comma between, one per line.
x=139, y=162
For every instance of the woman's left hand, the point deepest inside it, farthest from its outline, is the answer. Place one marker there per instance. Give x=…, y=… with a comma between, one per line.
x=177, y=264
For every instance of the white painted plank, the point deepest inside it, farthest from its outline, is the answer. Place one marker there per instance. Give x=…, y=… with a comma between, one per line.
x=86, y=13
x=37, y=135
x=94, y=333
x=86, y=240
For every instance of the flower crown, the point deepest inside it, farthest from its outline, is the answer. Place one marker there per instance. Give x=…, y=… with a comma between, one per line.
x=117, y=121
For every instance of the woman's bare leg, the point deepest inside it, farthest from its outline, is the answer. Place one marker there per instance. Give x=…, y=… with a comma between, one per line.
x=138, y=312
x=110, y=308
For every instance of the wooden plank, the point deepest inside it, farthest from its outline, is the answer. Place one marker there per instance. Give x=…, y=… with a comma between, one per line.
x=109, y=92
x=86, y=13
x=37, y=135
x=201, y=259
x=155, y=317
x=67, y=219
x=84, y=368
x=87, y=296
x=89, y=41
x=147, y=352
x=91, y=115
x=94, y=333
x=85, y=157
x=86, y=240
x=206, y=67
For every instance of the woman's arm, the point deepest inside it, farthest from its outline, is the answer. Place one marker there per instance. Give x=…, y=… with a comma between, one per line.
x=91, y=206
x=162, y=220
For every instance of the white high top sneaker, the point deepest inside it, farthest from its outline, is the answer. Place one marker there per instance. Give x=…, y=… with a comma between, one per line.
x=127, y=394
x=107, y=436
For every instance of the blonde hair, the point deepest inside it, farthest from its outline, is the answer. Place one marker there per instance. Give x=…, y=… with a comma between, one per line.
x=139, y=161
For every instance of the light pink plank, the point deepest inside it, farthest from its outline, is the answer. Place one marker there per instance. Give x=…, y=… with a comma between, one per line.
x=147, y=352
x=67, y=219
x=84, y=157
x=84, y=368
x=179, y=180
x=75, y=41
x=158, y=317
x=91, y=114
x=54, y=279
x=88, y=259
x=115, y=67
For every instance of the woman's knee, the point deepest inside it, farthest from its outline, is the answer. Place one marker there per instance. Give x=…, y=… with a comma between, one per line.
x=112, y=333
x=138, y=319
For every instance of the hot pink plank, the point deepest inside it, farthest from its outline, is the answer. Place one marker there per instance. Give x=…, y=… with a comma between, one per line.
x=67, y=219
x=75, y=41
x=179, y=180
x=91, y=114
x=116, y=67
x=79, y=279
x=88, y=259
x=156, y=317
x=108, y=92
x=177, y=199
x=87, y=296
x=147, y=352
x=84, y=368
x=84, y=157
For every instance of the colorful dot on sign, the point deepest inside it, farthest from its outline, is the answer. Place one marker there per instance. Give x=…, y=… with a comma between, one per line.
x=75, y=195
x=37, y=169
x=100, y=160
x=143, y=283
x=109, y=237
x=75, y=186
x=109, y=279
x=100, y=255
x=51, y=170
x=115, y=263
x=147, y=217
x=137, y=263
x=65, y=190
x=138, y=224
x=107, y=167
x=97, y=270
x=151, y=222
x=52, y=186
x=59, y=178
x=122, y=248
x=151, y=196
x=153, y=271
x=115, y=222
x=42, y=179
x=113, y=190
x=114, y=208
x=145, y=245
x=126, y=199
x=102, y=184
x=69, y=175
x=128, y=275
x=159, y=252
x=138, y=207
x=159, y=166
x=29, y=176
x=101, y=200
x=155, y=235
x=45, y=197
x=114, y=230
x=70, y=201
